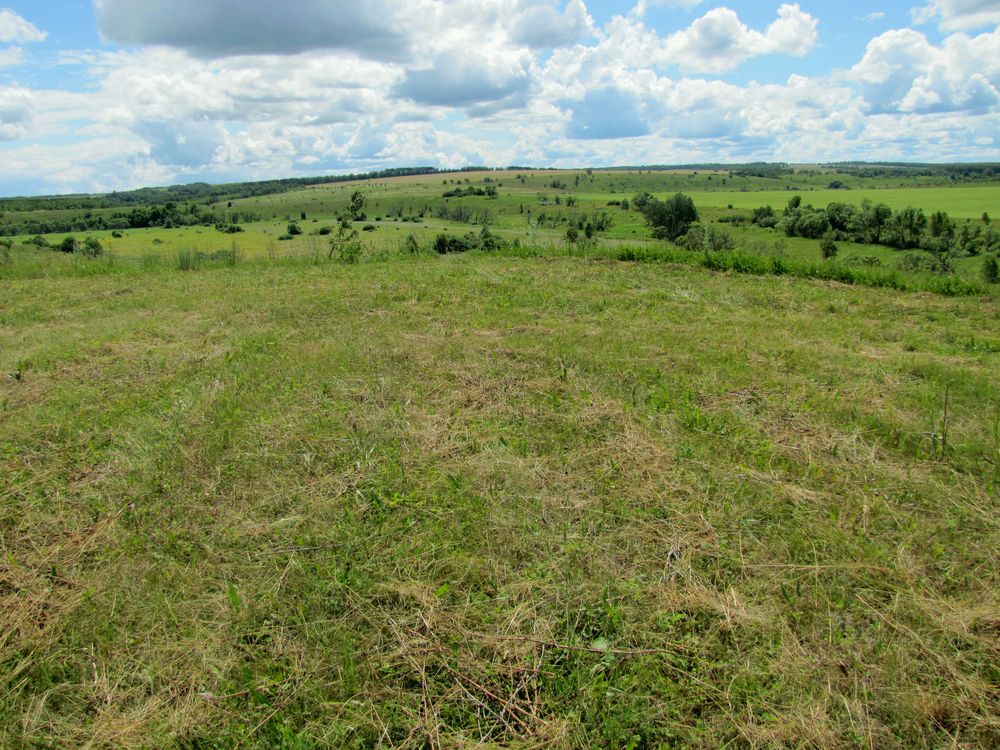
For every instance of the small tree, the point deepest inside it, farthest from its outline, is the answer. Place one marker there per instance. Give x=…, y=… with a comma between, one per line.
x=991, y=270
x=670, y=219
x=572, y=234
x=68, y=245
x=828, y=247
x=344, y=244
x=357, y=206
x=294, y=229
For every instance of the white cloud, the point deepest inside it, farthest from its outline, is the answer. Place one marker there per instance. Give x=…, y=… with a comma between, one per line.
x=537, y=82
x=11, y=56
x=719, y=41
x=960, y=15
x=542, y=26
x=903, y=72
x=13, y=28
x=17, y=109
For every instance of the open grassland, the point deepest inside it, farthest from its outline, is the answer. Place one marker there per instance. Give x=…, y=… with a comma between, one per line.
x=483, y=501
x=525, y=208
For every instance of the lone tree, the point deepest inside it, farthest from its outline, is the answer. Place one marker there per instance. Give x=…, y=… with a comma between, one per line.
x=670, y=219
x=357, y=206
x=68, y=245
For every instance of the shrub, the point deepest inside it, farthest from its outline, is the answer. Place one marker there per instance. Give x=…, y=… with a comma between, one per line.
x=991, y=270
x=350, y=253
x=117, y=234
x=68, y=245
x=91, y=248
x=828, y=247
x=489, y=241
x=445, y=244
x=369, y=228
x=325, y=231
x=917, y=263
x=294, y=229
x=411, y=245
x=671, y=218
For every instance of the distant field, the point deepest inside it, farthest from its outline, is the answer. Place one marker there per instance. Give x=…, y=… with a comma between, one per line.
x=482, y=501
x=533, y=208
x=958, y=202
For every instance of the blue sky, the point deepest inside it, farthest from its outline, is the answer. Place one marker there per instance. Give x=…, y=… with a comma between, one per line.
x=113, y=94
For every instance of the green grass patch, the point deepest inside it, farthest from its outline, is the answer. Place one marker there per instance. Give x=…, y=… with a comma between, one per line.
x=495, y=501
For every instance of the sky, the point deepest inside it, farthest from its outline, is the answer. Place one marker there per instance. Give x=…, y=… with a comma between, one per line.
x=99, y=95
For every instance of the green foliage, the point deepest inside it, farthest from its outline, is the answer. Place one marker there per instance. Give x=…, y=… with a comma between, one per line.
x=669, y=219
x=446, y=244
x=828, y=246
x=294, y=230
x=357, y=206
x=68, y=245
x=345, y=245
x=773, y=265
x=91, y=248
x=764, y=217
x=411, y=245
x=991, y=270
x=706, y=238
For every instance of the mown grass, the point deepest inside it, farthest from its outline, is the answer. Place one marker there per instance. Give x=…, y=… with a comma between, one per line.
x=496, y=501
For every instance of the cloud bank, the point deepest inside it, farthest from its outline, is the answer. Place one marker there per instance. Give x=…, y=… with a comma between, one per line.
x=195, y=89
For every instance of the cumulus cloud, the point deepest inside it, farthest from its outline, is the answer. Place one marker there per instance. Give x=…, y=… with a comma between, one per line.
x=960, y=15
x=17, y=110
x=719, y=41
x=13, y=28
x=542, y=26
x=465, y=80
x=902, y=71
x=216, y=28
x=209, y=95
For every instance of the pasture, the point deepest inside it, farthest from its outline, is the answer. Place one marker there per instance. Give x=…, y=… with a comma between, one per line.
x=537, y=497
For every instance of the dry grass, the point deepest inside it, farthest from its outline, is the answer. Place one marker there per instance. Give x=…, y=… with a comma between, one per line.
x=486, y=502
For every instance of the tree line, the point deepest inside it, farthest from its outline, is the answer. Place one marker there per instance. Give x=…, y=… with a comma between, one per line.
x=166, y=216
x=877, y=224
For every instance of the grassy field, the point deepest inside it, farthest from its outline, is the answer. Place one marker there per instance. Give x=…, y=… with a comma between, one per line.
x=483, y=501
x=533, y=208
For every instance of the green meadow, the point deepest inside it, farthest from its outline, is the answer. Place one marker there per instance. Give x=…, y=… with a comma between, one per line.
x=255, y=494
